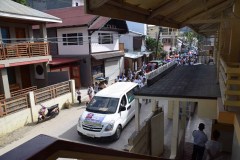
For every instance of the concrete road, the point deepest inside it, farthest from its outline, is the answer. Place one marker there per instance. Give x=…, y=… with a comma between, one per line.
x=64, y=126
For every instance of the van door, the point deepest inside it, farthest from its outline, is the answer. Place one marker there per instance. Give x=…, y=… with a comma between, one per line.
x=123, y=114
x=131, y=104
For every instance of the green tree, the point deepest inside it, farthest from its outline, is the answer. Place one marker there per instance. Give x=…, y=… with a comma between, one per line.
x=190, y=37
x=24, y=2
x=151, y=45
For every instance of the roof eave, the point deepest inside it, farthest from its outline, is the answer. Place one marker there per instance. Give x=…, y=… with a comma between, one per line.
x=30, y=18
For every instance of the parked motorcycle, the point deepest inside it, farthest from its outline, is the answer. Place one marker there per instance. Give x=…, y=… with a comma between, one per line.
x=47, y=113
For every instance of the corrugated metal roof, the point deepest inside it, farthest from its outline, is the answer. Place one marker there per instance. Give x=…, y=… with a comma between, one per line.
x=99, y=23
x=11, y=9
x=71, y=16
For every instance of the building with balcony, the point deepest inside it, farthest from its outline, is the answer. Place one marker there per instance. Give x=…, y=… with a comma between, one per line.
x=23, y=61
x=168, y=36
x=85, y=46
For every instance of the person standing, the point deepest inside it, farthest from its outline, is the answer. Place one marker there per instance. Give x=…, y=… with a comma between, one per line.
x=200, y=138
x=214, y=147
x=79, y=96
x=90, y=92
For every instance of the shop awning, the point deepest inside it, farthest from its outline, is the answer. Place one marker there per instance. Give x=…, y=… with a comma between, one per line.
x=106, y=55
x=59, y=61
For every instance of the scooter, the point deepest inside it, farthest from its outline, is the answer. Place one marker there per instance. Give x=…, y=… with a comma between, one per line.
x=47, y=113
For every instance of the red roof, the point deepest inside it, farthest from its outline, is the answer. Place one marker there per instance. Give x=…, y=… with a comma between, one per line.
x=71, y=16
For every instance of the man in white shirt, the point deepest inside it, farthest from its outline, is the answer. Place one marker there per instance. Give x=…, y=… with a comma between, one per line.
x=214, y=147
x=200, y=138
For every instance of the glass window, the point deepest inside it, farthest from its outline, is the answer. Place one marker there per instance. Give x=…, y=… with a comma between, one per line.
x=130, y=94
x=105, y=38
x=103, y=105
x=72, y=39
x=5, y=35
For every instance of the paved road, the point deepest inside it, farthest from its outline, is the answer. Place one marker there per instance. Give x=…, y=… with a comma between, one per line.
x=64, y=126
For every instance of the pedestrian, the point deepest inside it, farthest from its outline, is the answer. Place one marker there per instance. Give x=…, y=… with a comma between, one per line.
x=90, y=92
x=214, y=147
x=79, y=96
x=96, y=87
x=200, y=138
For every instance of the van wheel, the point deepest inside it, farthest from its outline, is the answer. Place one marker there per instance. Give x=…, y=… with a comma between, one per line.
x=118, y=132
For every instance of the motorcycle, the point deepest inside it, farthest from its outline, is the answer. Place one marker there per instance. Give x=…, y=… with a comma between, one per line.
x=47, y=113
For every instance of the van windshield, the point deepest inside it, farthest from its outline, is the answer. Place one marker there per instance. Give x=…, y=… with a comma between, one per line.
x=103, y=105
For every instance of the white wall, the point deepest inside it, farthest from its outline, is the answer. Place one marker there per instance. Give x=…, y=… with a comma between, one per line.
x=73, y=49
x=128, y=41
x=95, y=47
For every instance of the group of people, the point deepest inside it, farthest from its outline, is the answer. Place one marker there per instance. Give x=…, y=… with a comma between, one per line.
x=137, y=77
x=201, y=143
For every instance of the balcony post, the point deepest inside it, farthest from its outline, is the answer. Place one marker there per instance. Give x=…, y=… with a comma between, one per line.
x=5, y=83
x=43, y=32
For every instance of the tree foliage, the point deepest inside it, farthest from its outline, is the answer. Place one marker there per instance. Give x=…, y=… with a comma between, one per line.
x=151, y=44
x=24, y=2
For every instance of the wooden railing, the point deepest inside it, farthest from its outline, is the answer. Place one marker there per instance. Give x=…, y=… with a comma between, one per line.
x=9, y=51
x=11, y=105
x=2, y=96
x=50, y=92
x=23, y=91
x=229, y=81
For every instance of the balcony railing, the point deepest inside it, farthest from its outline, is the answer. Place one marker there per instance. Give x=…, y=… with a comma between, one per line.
x=50, y=92
x=229, y=80
x=11, y=105
x=8, y=51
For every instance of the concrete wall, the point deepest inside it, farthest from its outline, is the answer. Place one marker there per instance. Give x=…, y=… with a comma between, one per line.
x=14, y=121
x=128, y=41
x=73, y=49
x=95, y=47
x=19, y=119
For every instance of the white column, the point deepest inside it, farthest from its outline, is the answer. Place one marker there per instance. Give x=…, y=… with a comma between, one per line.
x=154, y=105
x=72, y=86
x=33, y=110
x=137, y=115
x=43, y=31
x=30, y=33
x=5, y=83
x=174, y=143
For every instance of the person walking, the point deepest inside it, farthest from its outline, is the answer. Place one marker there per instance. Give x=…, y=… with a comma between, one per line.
x=200, y=138
x=214, y=147
x=79, y=96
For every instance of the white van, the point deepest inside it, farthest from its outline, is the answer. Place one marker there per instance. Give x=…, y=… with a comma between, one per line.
x=109, y=111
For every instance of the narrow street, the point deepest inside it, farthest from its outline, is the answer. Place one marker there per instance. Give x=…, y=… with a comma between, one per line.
x=64, y=127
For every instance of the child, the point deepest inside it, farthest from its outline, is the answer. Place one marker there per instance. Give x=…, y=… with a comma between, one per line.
x=79, y=96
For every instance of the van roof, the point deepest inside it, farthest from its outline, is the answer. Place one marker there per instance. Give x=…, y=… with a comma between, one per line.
x=116, y=90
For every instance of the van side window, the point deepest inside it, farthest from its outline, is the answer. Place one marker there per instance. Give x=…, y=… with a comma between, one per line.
x=123, y=101
x=130, y=94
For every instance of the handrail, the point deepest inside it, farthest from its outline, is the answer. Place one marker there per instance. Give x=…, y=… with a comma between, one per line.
x=23, y=91
x=50, y=92
x=11, y=105
x=9, y=51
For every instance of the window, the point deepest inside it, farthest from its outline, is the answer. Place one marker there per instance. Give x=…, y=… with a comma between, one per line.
x=5, y=34
x=105, y=38
x=130, y=94
x=72, y=39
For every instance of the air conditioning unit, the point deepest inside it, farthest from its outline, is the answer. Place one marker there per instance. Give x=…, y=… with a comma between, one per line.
x=39, y=71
